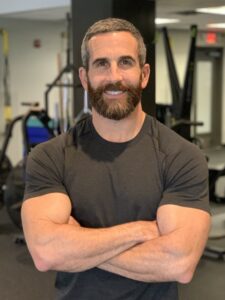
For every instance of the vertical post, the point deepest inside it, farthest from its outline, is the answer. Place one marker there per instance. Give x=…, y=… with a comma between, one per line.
x=142, y=14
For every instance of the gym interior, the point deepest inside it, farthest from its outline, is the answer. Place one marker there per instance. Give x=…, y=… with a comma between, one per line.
x=41, y=96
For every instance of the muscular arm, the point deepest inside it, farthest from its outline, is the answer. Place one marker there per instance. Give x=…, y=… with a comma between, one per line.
x=56, y=241
x=173, y=255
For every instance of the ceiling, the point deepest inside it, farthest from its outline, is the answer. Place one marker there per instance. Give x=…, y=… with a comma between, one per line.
x=53, y=10
x=184, y=10
x=49, y=10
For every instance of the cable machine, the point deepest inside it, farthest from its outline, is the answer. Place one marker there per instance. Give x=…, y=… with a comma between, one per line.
x=60, y=83
x=180, y=121
x=180, y=110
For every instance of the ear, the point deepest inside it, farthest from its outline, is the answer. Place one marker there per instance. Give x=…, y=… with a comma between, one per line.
x=145, y=74
x=83, y=77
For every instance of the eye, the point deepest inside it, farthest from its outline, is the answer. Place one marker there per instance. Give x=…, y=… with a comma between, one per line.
x=101, y=63
x=126, y=62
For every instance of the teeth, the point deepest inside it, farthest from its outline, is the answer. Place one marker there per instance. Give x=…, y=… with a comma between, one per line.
x=114, y=92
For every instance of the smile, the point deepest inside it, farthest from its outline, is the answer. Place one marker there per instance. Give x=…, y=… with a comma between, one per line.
x=114, y=93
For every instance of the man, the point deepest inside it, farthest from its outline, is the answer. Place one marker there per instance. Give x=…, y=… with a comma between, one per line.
x=119, y=204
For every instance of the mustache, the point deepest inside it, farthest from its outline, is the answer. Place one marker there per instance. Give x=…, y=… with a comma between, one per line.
x=117, y=86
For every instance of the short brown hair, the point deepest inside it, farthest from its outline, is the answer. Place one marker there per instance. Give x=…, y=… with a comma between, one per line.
x=112, y=25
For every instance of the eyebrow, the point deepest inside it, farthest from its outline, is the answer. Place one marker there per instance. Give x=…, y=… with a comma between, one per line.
x=97, y=60
x=128, y=57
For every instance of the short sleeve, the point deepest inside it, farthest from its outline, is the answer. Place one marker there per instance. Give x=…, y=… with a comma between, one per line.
x=44, y=170
x=186, y=178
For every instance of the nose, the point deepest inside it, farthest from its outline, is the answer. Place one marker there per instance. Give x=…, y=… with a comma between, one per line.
x=115, y=73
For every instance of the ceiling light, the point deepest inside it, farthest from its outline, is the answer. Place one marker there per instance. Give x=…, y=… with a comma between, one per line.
x=160, y=21
x=217, y=25
x=219, y=10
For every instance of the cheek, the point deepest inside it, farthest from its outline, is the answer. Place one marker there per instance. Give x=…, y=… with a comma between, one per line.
x=95, y=80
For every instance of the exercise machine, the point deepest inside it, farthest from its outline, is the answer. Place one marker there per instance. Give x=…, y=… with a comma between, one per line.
x=178, y=115
x=36, y=128
x=62, y=81
x=215, y=247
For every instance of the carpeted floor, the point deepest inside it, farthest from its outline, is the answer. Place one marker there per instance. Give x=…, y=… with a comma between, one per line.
x=19, y=280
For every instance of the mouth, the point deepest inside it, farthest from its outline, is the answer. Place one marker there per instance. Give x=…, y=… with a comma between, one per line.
x=114, y=93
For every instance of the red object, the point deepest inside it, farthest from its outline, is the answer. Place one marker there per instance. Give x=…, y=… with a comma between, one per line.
x=211, y=38
x=37, y=43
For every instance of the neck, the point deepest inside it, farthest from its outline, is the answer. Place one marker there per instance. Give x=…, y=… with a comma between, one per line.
x=122, y=130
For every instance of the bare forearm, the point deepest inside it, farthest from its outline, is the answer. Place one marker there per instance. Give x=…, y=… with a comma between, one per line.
x=150, y=262
x=138, y=263
x=69, y=247
x=172, y=256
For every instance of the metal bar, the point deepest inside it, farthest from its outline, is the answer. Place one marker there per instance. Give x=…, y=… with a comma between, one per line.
x=186, y=98
x=174, y=82
x=61, y=85
x=9, y=129
x=54, y=83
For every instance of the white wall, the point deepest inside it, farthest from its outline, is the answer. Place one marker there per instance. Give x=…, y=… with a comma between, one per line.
x=223, y=93
x=180, y=41
x=11, y=6
x=30, y=68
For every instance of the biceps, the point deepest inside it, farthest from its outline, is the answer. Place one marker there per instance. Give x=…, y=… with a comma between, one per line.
x=54, y=207
x=189, y=224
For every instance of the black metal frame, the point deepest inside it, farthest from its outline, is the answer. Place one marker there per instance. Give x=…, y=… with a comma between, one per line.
x=8, y=135
x=43, y=117
x=182, y=97
x=40, y=114
x=181, y=108
x=67, y=69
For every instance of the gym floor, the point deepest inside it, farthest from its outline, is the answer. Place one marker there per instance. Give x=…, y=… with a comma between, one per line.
x=19, y=280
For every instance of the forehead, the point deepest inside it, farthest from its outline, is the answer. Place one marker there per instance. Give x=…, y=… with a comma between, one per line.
x=113, y=43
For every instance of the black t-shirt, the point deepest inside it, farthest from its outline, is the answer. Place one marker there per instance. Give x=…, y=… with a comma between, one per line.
x=113, y=183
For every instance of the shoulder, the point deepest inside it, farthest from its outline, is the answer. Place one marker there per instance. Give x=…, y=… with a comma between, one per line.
x=183, y=167
x=55, y=148
x=179, y=160
x=170, y=144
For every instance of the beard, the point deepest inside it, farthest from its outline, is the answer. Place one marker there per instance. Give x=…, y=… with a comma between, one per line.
x=115, y=109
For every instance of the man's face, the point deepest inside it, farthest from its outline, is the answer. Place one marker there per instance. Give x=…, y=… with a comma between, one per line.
x=114, y=78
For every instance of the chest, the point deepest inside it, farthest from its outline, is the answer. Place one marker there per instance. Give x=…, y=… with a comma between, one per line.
x=115, y=188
